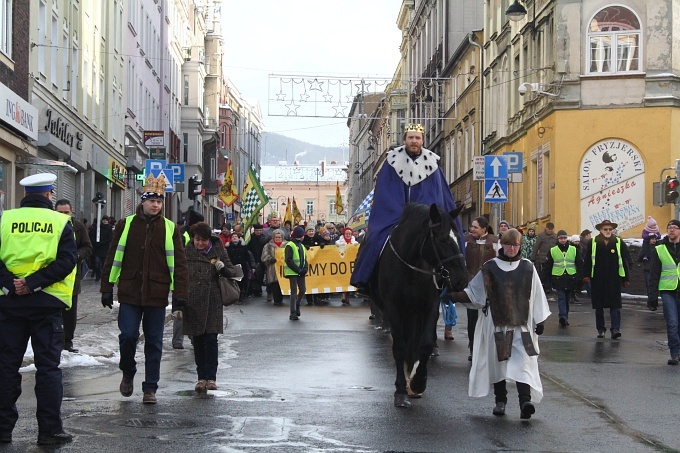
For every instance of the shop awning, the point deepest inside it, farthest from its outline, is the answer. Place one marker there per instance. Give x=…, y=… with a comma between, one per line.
x=30, y=162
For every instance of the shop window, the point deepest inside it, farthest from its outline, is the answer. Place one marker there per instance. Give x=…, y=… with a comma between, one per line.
x=614, y=41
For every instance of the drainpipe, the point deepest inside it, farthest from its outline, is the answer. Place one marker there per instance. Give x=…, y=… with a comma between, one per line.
x=473, y=41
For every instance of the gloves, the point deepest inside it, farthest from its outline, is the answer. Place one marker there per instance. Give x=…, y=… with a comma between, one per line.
x=219, y=265
x=539, y=328
x=178, y=305
x=272, y=260
x=586, y=279
x=322, y=246
x=107, y=300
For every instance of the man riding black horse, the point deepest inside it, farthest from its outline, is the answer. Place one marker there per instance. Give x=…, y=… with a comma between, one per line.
x=410, y=175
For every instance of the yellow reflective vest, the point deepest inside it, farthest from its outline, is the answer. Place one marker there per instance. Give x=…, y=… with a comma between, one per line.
x=299, y=260
x=670, y=272
x=563, y=262
x=32, y=239
x=117, y=265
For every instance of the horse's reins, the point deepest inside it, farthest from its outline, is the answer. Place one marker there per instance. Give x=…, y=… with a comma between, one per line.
x=440, y=273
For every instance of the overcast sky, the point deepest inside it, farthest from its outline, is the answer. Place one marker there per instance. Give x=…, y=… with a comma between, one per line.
x=325, y=38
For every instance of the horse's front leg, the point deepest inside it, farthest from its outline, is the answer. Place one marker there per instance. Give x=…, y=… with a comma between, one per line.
x=399, y=354
x=418, y=383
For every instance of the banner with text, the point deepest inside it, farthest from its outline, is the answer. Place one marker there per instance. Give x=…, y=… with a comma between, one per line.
x=329, y=269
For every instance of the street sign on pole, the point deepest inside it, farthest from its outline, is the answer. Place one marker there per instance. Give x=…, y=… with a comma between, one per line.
x=495, y=190
x=515, y=163
x=478, y=165
x=495, y=167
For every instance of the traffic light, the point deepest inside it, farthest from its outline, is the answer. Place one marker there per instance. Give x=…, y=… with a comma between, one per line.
x=194, y=187
x=671, y=189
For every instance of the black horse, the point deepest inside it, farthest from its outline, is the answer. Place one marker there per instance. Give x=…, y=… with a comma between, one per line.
x=420, y=259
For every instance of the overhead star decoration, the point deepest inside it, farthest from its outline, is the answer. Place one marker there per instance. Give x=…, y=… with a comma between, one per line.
x=328, y=97
x=362, y=87
x=339, y=110
x=350, y=98
x=280, y=96
x=292, y=108
x=315, y=85
x=303, y=97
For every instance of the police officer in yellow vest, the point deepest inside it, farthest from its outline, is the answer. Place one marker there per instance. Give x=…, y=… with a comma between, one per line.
x=295, y=269
x=605, y=265
x=38, y=258
x=146, y=260
x=564, y=261
x=663, y=279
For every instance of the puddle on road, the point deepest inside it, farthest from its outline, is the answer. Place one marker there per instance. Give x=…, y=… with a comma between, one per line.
x=156, y=423
x=209, y=393
x=361, y=387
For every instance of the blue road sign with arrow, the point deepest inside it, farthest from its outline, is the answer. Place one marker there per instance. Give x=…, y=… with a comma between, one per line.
x=495, y=167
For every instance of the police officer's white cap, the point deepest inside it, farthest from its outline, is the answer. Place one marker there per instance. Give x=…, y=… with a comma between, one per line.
x=41, y=182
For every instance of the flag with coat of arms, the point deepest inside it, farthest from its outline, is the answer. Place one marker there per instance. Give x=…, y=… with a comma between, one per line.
x=339, y=208
x=228, y=193
x=297, y=216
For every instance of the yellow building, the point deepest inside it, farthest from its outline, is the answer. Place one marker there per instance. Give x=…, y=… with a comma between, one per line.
x=592, y=105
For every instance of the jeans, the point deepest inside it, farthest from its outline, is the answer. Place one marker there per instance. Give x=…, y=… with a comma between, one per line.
x=153, y=322
x=205, y=354
x=614, y=314
x=98, y=264
x=563, y=297
x=297, y=292
x=671, y=307
x=177, y=332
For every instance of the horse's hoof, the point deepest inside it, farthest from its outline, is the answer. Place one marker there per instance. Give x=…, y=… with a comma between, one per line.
x=411, y=393
x=417, y=385
x=401, y=400
x=435, y=352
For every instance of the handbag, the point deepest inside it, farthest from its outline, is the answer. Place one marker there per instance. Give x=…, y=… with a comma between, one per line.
x=229, y=290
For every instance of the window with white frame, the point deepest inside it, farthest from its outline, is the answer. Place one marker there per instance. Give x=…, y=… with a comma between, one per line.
x=6, y=27
x=614, y=41
x=310, y=207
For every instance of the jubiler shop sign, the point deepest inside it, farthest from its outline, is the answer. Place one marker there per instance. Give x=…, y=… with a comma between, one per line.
x=18, y=113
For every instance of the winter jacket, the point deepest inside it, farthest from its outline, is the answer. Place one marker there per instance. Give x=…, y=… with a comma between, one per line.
x=145, y=277
x=655, y=268
x=84, y=250
x=238, y=254
x=605, y=283
x=269, y=255
x=528, y=245
x=541, y=251
x=565, y=281
x=478, y=254
x=203, y=310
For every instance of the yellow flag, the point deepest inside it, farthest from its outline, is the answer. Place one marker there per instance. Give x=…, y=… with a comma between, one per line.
x=339, y=208
x=228, y=193
x=289, y=213
x=296, y=213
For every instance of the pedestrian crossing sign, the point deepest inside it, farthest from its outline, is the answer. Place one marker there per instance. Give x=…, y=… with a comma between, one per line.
x=495, y=190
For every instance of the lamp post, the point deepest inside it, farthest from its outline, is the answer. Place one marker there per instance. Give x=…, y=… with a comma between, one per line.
x=280, y=201
x=99, y=201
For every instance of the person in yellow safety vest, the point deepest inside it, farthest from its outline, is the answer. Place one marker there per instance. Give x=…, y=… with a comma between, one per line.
x=38, y=257
x=605, y=265
x=564, y=262
x=146, y=261
x=663, y=279
x=295, y=269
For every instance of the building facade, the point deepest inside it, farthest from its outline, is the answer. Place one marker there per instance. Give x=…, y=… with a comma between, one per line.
x=587, y=92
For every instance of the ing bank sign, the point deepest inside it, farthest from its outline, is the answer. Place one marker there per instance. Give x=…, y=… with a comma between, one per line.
x=612, y=177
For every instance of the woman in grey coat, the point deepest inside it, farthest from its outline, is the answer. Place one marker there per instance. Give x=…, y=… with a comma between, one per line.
x=203, y=317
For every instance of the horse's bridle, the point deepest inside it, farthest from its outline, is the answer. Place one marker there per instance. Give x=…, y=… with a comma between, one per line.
x=440, y=273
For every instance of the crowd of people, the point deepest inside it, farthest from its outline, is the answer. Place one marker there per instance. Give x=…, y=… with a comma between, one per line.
x=151, y=260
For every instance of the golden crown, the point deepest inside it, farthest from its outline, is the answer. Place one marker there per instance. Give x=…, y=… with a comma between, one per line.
x=154, y=186
x=415, y=128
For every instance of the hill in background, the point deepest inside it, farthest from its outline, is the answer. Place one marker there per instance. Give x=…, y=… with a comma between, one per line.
x=279, y=148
